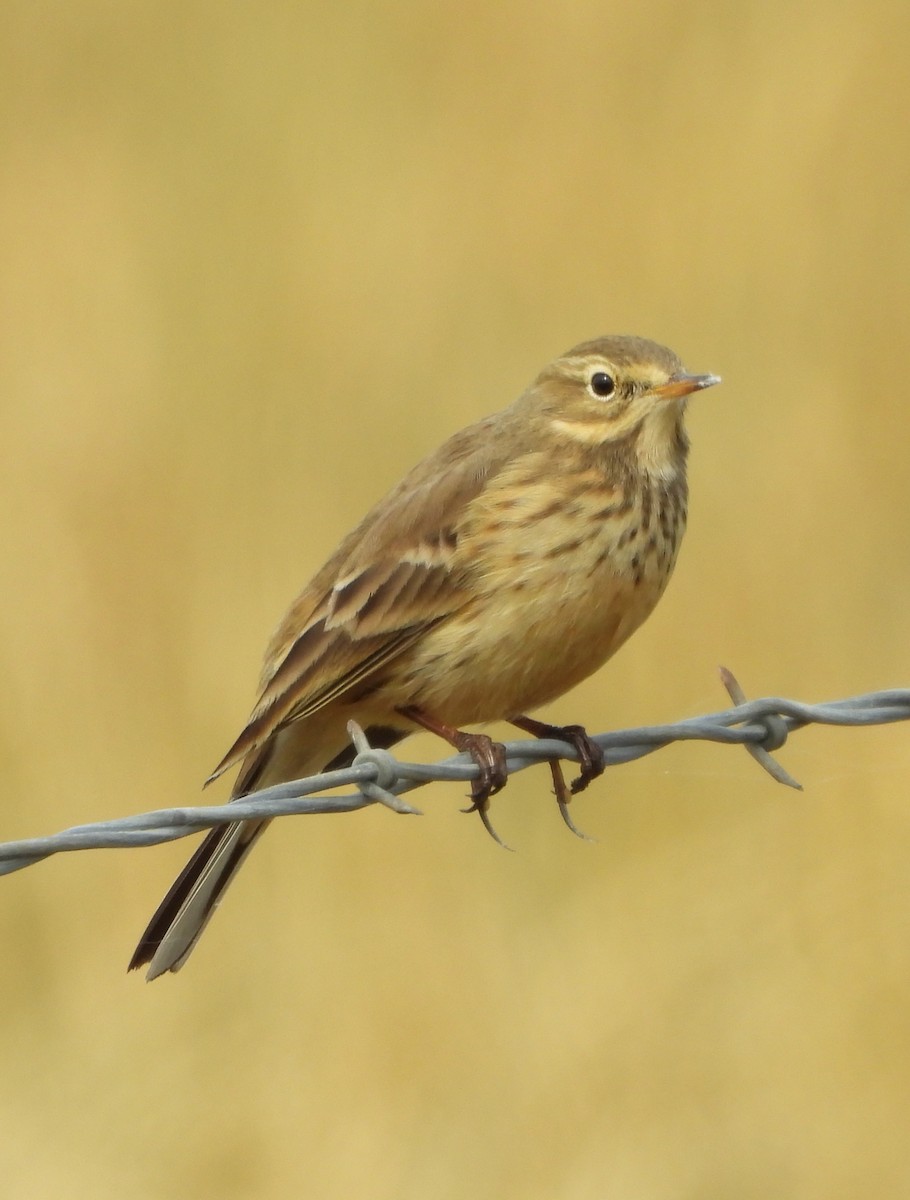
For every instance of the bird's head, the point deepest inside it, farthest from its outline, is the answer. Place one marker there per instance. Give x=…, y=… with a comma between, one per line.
x=621, y=392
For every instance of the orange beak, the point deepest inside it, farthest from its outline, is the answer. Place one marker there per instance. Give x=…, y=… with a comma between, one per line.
x=681, y=384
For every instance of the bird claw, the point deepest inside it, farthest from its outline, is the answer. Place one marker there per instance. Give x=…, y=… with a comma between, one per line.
x=482, y=808
x=490, y=759
x=590, y=755
x=590, y=758
x=563, y=796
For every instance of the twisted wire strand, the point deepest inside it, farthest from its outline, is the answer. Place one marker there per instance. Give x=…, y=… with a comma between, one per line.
x=761, y=726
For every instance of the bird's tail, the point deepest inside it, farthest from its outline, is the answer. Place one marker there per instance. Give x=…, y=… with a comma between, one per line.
x=194, y=895
x=196, y=892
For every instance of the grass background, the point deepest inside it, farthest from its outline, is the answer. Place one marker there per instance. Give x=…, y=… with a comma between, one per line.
x=257, y=259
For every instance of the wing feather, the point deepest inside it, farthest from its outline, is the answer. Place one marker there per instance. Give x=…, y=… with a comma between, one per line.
x=390, y=581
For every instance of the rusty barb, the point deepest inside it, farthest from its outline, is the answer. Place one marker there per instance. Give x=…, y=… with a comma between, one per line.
x=761, y=726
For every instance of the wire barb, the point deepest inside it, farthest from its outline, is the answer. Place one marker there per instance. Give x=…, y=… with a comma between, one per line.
x=776, y=734
x=385, y=767
x=759, y=725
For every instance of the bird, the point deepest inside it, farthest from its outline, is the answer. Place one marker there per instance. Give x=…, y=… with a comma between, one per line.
x=503, y=569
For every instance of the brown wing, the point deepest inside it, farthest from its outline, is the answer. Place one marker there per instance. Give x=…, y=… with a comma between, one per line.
x=392, y=579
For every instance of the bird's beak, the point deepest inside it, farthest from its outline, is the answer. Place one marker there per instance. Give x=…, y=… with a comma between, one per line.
x=681, y=384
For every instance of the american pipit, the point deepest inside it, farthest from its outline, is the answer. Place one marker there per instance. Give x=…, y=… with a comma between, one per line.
x=501, y=571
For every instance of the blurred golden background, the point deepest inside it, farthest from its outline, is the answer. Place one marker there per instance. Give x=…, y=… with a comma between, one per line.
x=258, y=259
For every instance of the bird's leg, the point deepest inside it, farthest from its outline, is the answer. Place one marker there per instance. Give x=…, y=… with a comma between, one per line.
x=489, y=757
x=590, y=757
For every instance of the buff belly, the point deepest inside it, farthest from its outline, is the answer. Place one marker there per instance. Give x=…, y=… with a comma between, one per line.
x=528, y=639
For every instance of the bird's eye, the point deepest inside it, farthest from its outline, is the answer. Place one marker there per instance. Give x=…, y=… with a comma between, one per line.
x=602, y=384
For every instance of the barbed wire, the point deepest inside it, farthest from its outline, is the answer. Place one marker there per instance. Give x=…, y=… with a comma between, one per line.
x=761, y=726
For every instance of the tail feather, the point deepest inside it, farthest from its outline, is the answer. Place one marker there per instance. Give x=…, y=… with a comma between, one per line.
x=196, y=892
x=194, y=895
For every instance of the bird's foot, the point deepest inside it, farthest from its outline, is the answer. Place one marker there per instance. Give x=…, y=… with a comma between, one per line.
x=489, y=758
x=590, y=758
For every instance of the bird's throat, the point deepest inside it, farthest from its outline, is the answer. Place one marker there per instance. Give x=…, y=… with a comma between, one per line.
x=661, y=446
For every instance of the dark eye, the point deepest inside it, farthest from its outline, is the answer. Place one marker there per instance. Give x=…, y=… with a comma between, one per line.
x=602, y=384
